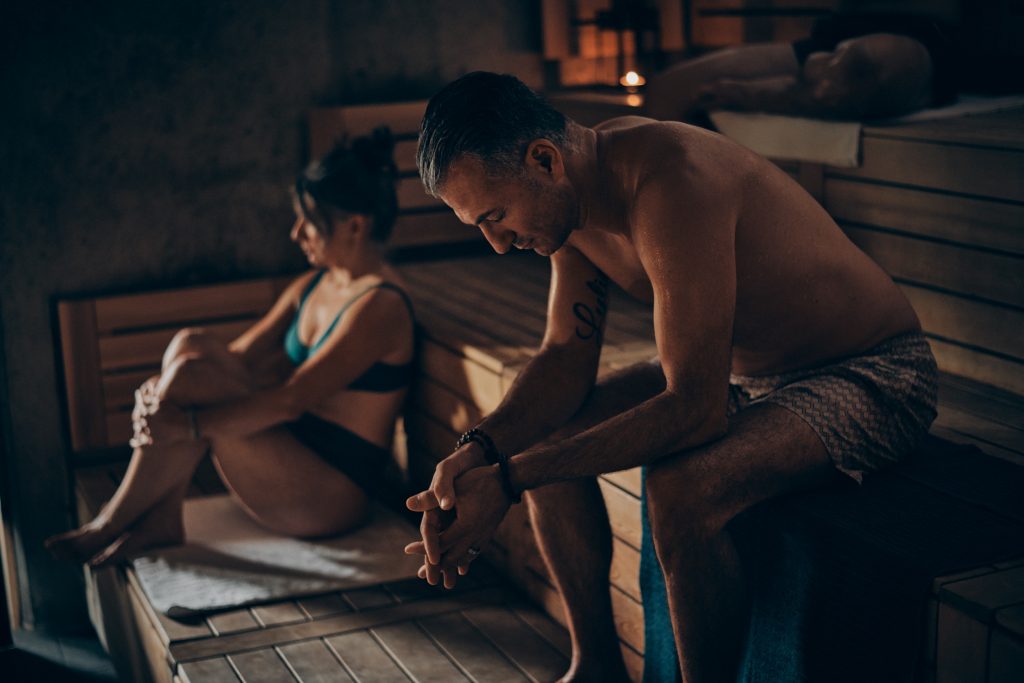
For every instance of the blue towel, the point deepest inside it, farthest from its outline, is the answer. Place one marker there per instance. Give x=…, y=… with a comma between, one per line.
x=839, y=579
x=660, y=664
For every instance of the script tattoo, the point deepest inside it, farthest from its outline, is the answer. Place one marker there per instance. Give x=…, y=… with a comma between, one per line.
x=592, y=318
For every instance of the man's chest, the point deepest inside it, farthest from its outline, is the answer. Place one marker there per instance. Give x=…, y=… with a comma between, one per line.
x=616, y=256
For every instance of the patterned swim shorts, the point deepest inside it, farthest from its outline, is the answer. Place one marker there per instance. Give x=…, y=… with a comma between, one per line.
x=869, y=410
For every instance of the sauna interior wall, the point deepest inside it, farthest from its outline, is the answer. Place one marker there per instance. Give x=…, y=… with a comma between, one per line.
x=149, y=145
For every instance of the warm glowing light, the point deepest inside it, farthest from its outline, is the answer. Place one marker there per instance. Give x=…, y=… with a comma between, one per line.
x=632, y=80
x=634, y=100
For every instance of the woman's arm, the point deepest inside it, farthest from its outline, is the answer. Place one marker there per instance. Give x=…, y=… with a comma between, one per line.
x=267, y=335
x=375, y=325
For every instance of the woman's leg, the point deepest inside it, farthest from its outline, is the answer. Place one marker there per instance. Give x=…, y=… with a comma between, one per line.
x=277, y=480
x=287, y=487
x=197, y=370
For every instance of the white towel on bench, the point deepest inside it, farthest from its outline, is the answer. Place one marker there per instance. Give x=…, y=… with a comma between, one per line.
x=835, y=143
x=231, y=561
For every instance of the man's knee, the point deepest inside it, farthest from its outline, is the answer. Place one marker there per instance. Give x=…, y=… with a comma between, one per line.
x=683, y=504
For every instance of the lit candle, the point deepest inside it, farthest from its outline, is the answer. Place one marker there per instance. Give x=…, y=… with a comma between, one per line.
x=631, y=81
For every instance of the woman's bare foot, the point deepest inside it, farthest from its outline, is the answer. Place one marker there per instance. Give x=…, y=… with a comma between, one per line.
x=78, y=545
x=161, y=526
x=100, y=543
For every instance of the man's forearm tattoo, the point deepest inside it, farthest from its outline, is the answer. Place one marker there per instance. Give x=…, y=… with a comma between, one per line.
x=592, y=317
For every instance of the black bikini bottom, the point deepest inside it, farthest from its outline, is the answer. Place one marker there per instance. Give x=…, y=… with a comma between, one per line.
x=363, y=462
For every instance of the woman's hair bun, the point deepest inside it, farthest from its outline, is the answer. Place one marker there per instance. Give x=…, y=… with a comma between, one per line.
x=356, y=175
x=376, y=150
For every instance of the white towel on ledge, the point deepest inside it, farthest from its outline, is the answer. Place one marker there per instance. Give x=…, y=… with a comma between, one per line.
x=230, y=561
x=834, y=143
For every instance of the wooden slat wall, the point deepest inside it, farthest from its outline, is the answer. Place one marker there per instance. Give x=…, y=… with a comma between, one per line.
x=423, y=220
x=721, y=23
x=940, y=206
x=111, y=344
x=453, y=391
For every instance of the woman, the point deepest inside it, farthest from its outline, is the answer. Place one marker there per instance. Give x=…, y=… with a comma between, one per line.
x=299, y=411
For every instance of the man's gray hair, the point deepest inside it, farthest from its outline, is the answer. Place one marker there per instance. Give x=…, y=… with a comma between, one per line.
x=489, y=116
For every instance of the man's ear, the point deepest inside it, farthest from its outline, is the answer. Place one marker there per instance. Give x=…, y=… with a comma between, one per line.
x=545, y=157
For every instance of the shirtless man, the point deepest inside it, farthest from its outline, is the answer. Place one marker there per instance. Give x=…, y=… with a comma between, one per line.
x=785, y=353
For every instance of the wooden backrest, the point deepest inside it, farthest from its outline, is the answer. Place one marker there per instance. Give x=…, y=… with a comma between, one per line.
x=940, y=206
x=111, y=344
x=422, y=219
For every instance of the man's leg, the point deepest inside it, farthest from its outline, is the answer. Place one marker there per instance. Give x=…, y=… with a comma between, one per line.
x=571, y=526
x=767, y=452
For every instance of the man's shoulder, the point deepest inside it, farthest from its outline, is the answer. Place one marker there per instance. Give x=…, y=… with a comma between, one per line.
x=620, y=123
x=668, y=149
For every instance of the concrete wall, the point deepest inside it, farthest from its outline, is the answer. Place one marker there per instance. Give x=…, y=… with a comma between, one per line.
x=149, y=144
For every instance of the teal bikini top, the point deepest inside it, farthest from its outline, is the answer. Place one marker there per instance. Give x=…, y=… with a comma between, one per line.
x=380, y=377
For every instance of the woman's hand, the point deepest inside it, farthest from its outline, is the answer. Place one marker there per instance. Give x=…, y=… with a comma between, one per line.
x=146, y=401
x=158, y=422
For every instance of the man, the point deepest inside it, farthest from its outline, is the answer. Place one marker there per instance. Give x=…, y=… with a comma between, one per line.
x=785, y=354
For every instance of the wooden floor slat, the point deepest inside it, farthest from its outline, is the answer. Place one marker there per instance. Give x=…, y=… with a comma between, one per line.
x=413, y=589
x=324, y=605
x=261, y=666
x=364, y=657
x=233, y=621
x=369, y=598
x=531, y=653
x=473, y=652
x=215, y=670
x=417, y=653
x=313, y=662
x=548, y=630
x=342, y=623
x=278, y=613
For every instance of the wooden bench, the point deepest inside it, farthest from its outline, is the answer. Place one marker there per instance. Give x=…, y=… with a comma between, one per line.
x=479, y=335
x=388, y=631
x=939, y=205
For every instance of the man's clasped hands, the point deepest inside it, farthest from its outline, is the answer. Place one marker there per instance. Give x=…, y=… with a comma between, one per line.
x=461, y=512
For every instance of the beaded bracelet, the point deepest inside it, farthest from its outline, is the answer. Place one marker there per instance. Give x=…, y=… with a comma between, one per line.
x=493, y=457
x=480, y=437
